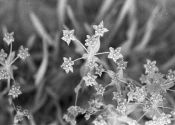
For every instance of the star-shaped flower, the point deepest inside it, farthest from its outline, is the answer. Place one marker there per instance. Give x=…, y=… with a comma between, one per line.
x=115, y=54
x=67, y=64
x=100, y=29
x=90, y=80
x=8, y=38
x=171, y=75
x=100, y=89
x=4, y=74
x=122, y=64
x=23, y=53
x=150, y=67
x=15, y=91
x=68, y=35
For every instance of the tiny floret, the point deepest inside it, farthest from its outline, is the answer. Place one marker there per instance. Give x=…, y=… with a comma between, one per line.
x=68, y=35
x=91, y=41
x=4, y=74
x=90, y=80
x=67, y=64
x=23, y=53
x=15, y=91
x=99, y=70
x=150, y=67
x=8, y=38
x=100, y=29
x=115, y=54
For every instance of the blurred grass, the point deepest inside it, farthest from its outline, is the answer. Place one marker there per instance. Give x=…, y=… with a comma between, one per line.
x=144, y=28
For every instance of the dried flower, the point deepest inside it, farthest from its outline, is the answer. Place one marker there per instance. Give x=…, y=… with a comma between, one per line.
x=23, y=53
x=100, y=30
x=68, y=35
x=90, y=79
x=115, y=54
x=67, y=64
x=15, y=91
x=8, y=38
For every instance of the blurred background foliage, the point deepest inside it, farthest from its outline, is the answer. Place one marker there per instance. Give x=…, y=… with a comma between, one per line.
x=144, y=28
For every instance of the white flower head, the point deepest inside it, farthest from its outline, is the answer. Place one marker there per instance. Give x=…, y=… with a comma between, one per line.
x=68, y=35
x=15, y=91
x=23, y=53
x=67, y=64
x=100, y=29
x=8, y=38
x=115, y=54
x=150, y=67
x=90, y=79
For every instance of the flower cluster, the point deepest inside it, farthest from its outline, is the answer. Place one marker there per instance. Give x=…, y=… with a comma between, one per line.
x=6, y=73
x=147, y=95
x=163, y=119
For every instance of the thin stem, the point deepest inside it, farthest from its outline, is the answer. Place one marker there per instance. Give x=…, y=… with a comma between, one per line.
x=76, y=40
x=141, y=117
x=165, y=107
x=14, y=60
x=2, y=63
x=101, y=53
x=78, y=59
x=171, y=90
x=11, y=46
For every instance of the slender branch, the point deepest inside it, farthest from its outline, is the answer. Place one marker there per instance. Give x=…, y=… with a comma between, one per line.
x=14, y=60
x=78, y=41
x=101, y=53
x=78, y=59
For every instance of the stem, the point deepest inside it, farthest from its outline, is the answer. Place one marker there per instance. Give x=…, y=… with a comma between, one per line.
x=141, y=117
x=165, y=107
x=2, y=63
x=76, y=40
x=171, y=90
x=11, y=47
x=78, y=59
x=101, y=53
x=14, y=60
